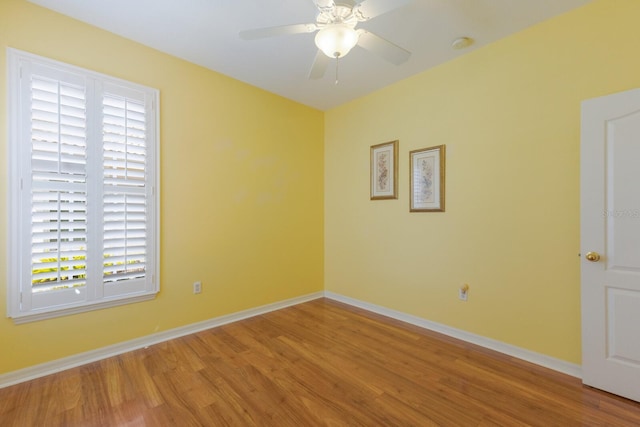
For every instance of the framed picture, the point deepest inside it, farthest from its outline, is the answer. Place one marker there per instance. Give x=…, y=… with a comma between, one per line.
x=427, y=179
x=384, y=171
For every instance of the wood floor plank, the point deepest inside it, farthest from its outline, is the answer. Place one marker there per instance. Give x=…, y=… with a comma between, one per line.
x=321, y=363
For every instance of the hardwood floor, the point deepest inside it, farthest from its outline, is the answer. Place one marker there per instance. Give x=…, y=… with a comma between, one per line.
x=320, y=363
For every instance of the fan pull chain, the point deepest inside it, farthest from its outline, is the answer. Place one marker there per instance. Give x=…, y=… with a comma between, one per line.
x=337, y=62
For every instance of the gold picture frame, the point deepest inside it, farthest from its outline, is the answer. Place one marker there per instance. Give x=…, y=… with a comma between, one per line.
x=384, y=171
x=426, y=179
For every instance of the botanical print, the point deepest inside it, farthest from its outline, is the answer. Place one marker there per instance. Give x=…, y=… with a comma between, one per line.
x=425, y=193
x=427, y=179
x=382, y=173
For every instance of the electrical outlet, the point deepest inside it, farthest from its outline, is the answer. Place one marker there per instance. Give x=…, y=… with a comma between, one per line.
x=463, y=292
x=197, y=287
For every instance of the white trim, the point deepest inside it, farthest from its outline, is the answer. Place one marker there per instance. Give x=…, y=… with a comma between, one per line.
x=508, y=349
x=13, y=232
x=59, y=365
x=35, y=317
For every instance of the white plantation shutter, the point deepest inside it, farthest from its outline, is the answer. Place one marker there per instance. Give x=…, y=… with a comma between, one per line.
x=125, y=237
x=58, y=239
x=124, y=129
x=83, y=204
x=54, y=146
x=58, y=184
x=124, y=133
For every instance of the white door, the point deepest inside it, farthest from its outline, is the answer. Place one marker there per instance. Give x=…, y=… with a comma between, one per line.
x=610, y=243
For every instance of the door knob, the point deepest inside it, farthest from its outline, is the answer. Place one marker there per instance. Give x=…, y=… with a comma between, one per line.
x=592, y=256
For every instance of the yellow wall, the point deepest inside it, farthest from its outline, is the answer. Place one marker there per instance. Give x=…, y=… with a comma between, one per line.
x=242, y=185
x=242, y=191
x=509, y=114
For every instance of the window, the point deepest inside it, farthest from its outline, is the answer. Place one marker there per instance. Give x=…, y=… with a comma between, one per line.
x=83, y=199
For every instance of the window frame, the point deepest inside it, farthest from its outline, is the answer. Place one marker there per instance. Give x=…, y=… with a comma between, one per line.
x=19, y=165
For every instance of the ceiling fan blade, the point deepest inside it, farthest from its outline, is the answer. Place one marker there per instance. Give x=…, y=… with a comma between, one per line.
x=369, y=9
x=384, y=48
x=261, y=33
x=319, y=66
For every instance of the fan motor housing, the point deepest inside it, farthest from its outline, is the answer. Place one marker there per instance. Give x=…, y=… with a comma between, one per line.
x=341, y=13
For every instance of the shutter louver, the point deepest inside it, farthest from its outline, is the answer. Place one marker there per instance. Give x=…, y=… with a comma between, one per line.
x=58, y=185
x=125, y=150
x=124, y=199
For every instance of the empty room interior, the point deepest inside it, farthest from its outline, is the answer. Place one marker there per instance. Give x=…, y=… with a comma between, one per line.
x=284, y=284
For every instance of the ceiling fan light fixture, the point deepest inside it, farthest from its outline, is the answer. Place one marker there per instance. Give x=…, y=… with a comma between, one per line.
x=336, y=40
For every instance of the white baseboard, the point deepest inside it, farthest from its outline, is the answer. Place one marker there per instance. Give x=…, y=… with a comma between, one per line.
x=508, y=349
x=59, y=365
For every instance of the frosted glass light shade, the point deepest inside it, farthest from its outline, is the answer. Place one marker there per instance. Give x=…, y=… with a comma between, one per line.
x=336, y=40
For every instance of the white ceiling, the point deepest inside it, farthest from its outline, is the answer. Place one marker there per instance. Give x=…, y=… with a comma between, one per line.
x=205, y=32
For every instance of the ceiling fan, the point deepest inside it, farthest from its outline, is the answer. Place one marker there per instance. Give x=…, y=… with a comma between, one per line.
x=337, y=33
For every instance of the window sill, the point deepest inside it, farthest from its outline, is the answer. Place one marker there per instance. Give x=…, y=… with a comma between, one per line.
x=34, y=317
